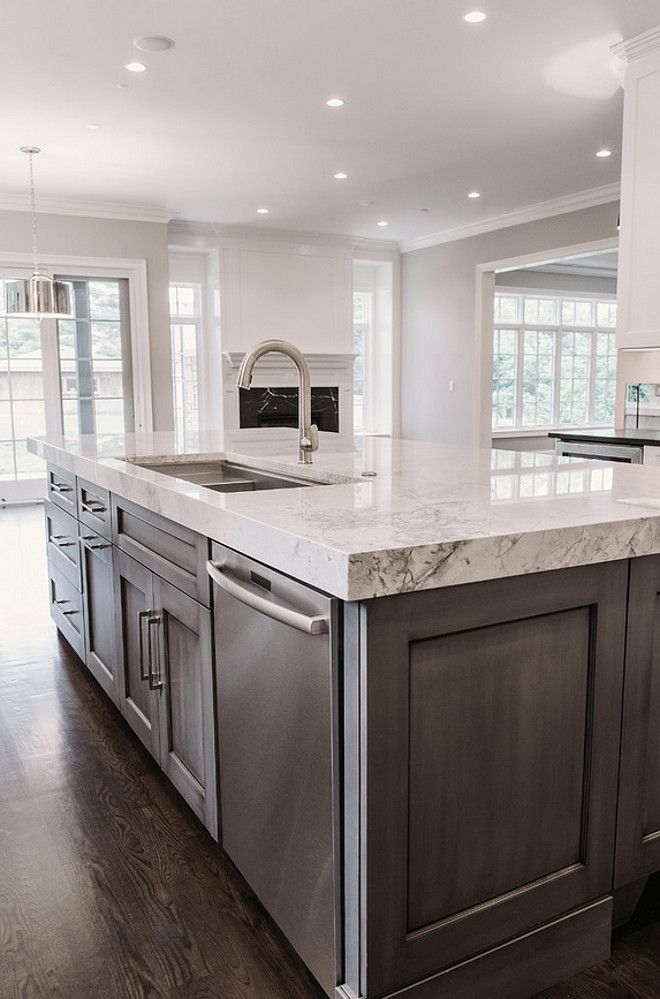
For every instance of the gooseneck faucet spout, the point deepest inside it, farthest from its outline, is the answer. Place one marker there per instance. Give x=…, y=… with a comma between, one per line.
x=308, y=440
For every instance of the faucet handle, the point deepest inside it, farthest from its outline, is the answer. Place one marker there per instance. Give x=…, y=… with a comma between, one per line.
x=310, y=440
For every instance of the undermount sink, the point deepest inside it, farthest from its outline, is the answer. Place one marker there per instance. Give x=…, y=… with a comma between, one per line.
x=225, y=477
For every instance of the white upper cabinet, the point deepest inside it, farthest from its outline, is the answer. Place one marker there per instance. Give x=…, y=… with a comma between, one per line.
x=638, y=320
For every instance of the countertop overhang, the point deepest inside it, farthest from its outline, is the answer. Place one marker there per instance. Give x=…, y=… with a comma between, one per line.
x=609, y=435
x=434, y=515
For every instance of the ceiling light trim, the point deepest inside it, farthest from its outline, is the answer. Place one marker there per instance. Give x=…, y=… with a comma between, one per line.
x=87, y=209
x=638, y=46
x=531, y=213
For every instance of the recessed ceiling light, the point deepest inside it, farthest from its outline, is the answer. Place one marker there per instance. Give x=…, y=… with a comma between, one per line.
x=335, y=102
x=135, y=67
x=366, y=204
x=121, y=86
x=383, y=222
x=93, y=126
x=341, y=175
x=262, y=211
x=474, y=194
x=153, y=43
x=603, y=154
x=425, y=210
x=475, y=17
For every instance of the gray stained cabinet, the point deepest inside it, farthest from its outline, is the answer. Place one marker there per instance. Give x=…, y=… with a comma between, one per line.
x=164, y=639
x=492, y=719
x=96, y=561
x=638, y=830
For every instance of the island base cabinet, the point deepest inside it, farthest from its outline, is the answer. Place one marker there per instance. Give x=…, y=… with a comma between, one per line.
x=489, y=725
x=184, y=650
x=638, y=831
x=98, y=602
x=139, y=702
x=164, y=638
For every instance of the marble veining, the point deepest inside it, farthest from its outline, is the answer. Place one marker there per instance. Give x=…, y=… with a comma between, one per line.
x=434, y=515
x=278, y=406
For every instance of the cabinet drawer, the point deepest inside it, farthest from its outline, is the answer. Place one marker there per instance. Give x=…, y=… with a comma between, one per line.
x=173, y=552
x=62, y=542
x=94, y=507
x=66, y=609
x=62, y=488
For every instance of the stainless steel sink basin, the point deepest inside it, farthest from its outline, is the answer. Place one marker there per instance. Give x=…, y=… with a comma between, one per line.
x=225, y=477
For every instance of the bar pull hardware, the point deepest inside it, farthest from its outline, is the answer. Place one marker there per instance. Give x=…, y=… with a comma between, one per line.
x=316, y=625
x=91, y=507
x=56, y=540
x=69, y=613
x=156, y=681
x=60, y=487
x=62, y=601
x=86, y=538
x=144, y=672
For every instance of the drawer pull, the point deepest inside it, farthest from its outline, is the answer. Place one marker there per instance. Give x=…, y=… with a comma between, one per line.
x=61, y=487
x=92, y=507
x=69, y=613
x=86, y=538
x=59, y=542
x=62, y=601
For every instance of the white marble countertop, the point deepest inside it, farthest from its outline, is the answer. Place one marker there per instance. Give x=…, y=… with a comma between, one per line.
x=434, y=515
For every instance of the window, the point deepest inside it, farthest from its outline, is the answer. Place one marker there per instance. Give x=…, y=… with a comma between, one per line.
x=554, y=360
x=22, y=410
x=372, y=346
x=95, y=372
x=185, y=323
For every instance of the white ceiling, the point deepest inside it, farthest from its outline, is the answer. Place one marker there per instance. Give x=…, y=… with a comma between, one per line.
x=234, y=117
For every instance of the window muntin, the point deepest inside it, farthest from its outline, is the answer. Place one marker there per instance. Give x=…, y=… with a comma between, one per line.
x=554, y=360
x=185, y=326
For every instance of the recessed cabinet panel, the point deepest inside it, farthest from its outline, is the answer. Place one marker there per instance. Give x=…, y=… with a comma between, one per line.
x=183, y=676
x=66, y=609
x=98, y=601
x=61, y=486
x=62, y=542
x=94, y=507
x=135, y=637
x=638, y=827
x=498, y=721
x=492, y=739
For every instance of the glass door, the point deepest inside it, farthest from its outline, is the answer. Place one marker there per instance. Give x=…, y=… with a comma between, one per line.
x=96, y=384
x=22, y=403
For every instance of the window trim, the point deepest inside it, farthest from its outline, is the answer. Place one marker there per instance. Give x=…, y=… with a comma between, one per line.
x=557, y=328
x=196, y=320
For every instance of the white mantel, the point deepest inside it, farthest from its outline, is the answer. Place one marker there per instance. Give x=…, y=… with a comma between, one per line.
x=278, y=370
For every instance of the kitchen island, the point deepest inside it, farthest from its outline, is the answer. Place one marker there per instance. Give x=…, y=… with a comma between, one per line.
x=437, y=761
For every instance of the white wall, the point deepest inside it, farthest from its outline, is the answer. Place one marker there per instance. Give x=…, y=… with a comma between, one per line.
x=77, y=236
x=439, y=334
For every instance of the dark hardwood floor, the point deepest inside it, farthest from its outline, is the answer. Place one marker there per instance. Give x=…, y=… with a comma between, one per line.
x=109, y=887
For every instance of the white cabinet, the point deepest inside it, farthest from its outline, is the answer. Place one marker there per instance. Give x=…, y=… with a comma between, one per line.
x=652, y=455
x=638, y=321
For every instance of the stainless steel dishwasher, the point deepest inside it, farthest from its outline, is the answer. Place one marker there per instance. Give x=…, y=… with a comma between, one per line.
x=276, y=665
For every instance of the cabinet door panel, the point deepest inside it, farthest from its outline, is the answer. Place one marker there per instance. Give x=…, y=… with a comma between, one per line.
x=492, y=726
x=133, y=598
x=98, y=601
x=185, y=651
x=638, y=830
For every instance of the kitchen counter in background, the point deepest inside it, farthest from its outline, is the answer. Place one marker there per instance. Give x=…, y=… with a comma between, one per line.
x=433, y=516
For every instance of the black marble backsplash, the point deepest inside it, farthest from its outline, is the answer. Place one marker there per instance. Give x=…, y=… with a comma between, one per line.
x=278, y=407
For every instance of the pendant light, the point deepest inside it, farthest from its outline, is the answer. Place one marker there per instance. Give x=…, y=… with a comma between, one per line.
x=39, y=297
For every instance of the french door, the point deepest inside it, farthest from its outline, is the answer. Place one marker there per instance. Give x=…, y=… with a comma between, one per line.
x=71, y=376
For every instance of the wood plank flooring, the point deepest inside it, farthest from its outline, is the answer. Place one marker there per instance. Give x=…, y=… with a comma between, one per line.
x=109, y=887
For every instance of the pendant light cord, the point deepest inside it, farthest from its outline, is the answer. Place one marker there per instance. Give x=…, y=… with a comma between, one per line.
x=34, y=214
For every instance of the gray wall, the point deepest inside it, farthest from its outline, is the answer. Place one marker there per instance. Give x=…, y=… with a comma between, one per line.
x=439, y=311
x=67, y=235
x=556, y=282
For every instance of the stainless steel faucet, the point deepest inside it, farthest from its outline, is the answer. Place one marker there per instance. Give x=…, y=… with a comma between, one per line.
x=308, y=440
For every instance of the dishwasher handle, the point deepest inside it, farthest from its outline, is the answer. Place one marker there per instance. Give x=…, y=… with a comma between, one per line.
x=317, y=625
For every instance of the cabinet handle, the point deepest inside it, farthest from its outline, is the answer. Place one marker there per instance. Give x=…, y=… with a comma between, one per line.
x=62, y=601
x=156, y=681
x=92, y=507
x=86, y=538
x=144, y=673
x=59, y=487
x=69, y=613
x=56, y=540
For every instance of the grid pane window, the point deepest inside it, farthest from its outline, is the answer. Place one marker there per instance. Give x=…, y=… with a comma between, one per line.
x=362, y=324
x=185, y=320
x=555, y=365
x=22, y=409
x=574, y=378
x=93, y=371
x=538, y=378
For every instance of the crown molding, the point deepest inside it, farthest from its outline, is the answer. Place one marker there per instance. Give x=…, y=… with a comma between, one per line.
x=638, y=46
x=214, y=231
x=532, y=213
x=86, y=209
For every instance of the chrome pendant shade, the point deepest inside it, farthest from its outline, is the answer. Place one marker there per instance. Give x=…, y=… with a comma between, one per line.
x=38, y=297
